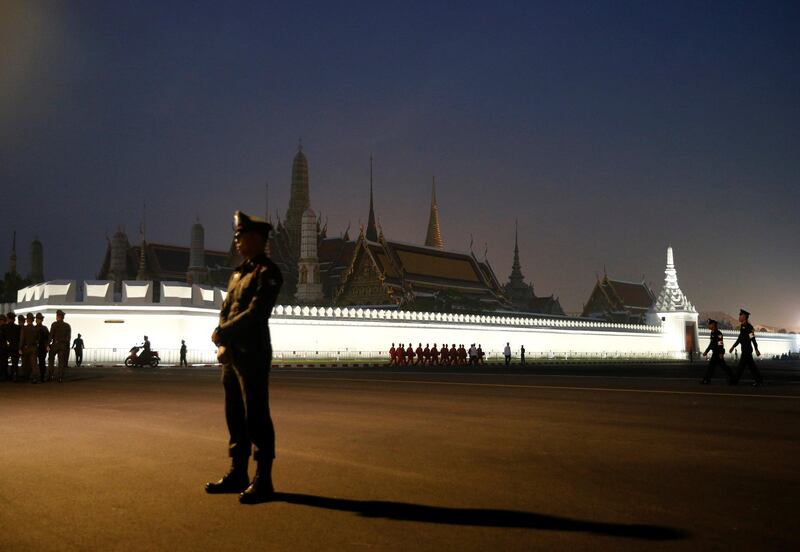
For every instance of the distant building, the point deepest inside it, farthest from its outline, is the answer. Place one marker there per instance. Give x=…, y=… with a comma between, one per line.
x=521, y=294
x=619, y=301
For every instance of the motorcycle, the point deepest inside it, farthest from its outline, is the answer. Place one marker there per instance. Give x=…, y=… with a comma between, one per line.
x=134, y=360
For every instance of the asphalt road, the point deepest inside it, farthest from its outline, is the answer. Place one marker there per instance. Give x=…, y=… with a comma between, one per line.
x=544, y=458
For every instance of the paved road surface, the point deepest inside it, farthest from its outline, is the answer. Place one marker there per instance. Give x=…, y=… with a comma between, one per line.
x=561, y=457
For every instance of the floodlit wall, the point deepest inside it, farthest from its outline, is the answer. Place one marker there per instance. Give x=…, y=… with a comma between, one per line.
x=190, y=312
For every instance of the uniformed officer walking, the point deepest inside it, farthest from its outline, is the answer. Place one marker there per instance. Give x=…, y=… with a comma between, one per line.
x=716, y=346
x=78, y=345
x=60, y=339
x=44, y=340
x=747, y=339
x=245, y=351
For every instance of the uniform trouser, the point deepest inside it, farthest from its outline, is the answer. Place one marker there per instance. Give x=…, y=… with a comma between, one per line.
x=715, y=361
x=78, y=357
x=13, y=367
x=246, y=382
x=41, y=357
x=62, y=352
x=183, y=361
x=30, y=366
x=746, y=361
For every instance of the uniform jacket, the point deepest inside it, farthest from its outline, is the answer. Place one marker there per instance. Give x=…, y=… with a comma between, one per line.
x=243, y=319
x=29, y=339
x=60, y=334
x=44, y=337
x=747, y=338
x=715, y=343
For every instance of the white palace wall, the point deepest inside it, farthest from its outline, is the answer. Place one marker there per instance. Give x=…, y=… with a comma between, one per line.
x=110, y=328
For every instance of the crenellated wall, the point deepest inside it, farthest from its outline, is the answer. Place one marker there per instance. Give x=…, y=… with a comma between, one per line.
x=189, y=312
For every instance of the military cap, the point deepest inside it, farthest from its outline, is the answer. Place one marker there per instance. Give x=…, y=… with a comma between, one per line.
x=39, y=315
x=744, y=312
x=59, y=311
x=245, y=223
x=711, y=321
x=29, y=316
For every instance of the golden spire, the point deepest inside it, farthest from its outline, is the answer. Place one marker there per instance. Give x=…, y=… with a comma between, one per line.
x=434, y=237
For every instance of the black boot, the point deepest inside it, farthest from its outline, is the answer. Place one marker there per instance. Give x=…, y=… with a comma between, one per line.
x=235, y=481
x=261, y=489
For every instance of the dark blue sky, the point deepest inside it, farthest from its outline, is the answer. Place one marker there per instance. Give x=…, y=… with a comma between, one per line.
x=609, y=128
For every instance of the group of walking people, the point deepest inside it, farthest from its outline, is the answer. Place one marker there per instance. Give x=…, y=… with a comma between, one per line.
x=716, y=346
x=30, y=351
x=434, y=356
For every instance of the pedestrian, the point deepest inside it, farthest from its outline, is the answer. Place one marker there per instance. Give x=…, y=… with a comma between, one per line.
x=454, y=357
x=13, y=334
x=507, y=353
x=426, y=354
x=401, y=354
x=43, y=335
x=434, y=355
x=420, y=352
x=245, y=352
x=28, y=348
x=481, y=354
x=716, y=346
x=522, y=355
x=392, y=355
x=747, y=339
x=409, y=354
x=445, y=354
x=60, y=338
x=77, y=344
x=473, y=355
x=4, y=375
x=183, y=354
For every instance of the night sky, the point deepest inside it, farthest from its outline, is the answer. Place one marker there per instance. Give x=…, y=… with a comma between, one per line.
x=609, y=129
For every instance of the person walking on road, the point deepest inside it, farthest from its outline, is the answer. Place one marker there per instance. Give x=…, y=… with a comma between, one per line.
x=183, y=354
x=747, y=339
x=507, y=353
x=716, y=346
x=77, y=344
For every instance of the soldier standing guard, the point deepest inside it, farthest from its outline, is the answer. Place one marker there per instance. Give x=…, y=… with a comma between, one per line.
x=60, y=339
x=3, y=349
x=747, y=339
x=717, y=347
x=245, y=351
x=44, y=339
x=28, y=346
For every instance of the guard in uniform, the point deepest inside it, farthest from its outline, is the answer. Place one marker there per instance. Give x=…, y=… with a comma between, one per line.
x=392, y=355
x=60, y=339
x=747, y=339
x=426, y=354
x=13, y=332
x=3, y=349
x=409, y=355
x=28, y=347
x=44, y=339
x=245, y=351
x=434, y=355
x=420, y=352
x=716, y=346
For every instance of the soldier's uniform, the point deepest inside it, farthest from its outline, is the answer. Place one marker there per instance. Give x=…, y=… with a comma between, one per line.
x=13, y=333
x=60, y=339
x=392, y=355
x=3, y=349
x=409, y=354
x=41, y=353
x=434, y=355
x=454, y=356
x=419, y=353
x=29, y=345
x=426, y=354
x=716, y=346
x=246, y=353
x=747, y=339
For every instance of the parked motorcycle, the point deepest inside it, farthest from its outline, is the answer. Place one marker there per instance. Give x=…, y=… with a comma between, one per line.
x=134, y=360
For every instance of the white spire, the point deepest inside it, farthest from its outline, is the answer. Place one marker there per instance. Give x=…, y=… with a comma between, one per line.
x=671, y=297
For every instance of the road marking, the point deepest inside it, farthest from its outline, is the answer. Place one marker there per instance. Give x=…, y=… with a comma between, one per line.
x=560, y=387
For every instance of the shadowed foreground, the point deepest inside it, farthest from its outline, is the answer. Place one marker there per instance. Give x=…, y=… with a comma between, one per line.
x=560, y=458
